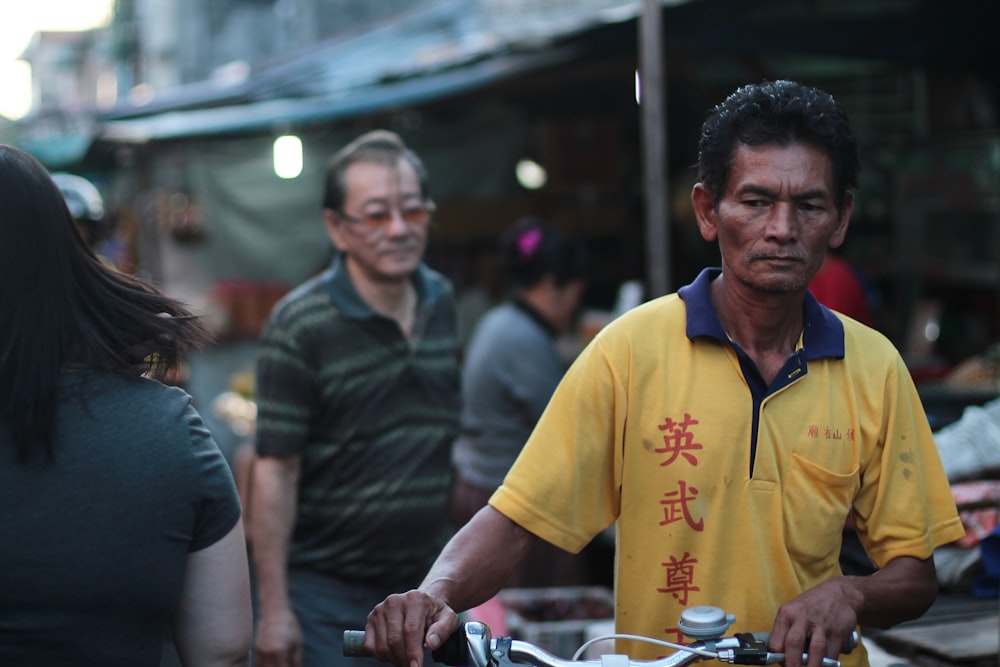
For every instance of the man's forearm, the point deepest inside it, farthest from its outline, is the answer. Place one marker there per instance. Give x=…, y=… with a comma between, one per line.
x=272, y=517
x=478, y=560
x=901, y=591
x=820, y=619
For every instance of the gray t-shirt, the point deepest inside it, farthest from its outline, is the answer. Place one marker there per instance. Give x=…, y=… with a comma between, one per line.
x=93, y=544
x=511, y=368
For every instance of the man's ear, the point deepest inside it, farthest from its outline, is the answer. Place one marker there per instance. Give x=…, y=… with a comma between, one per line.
x=333, y=228
x=704, y=211
x=844, y=220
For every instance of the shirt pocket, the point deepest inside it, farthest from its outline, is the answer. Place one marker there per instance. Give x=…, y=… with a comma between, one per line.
x=816, y=503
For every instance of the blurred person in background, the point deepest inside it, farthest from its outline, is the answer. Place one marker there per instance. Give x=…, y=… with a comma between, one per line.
x=840, y=286
x=85, y=204
x=511, y=367
x=480, y=289
x=358, y=395
x=120, y=515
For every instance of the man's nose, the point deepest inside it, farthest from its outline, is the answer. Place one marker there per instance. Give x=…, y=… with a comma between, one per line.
x=397, y=225
x=782, y=222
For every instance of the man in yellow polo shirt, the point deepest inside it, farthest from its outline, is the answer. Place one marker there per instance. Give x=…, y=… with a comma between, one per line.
x=730, y=429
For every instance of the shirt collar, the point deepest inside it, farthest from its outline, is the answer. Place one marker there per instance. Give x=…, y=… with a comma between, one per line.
x=350, y=304
x=531, y=312
x=822, y=335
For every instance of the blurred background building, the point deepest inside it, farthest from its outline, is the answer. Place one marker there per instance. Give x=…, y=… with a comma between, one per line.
x=207, y=126
x=174, y=110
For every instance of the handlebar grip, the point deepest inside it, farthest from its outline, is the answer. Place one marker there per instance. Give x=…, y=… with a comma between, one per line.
x=850, y=643
x=354, y=644
x=454, y=651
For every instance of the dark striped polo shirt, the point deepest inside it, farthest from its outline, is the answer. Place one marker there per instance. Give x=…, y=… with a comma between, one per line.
x=372, y=416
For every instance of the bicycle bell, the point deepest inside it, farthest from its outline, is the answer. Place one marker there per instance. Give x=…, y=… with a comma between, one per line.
x=705, y=622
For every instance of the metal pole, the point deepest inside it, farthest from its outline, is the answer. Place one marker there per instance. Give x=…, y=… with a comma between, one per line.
x=652, y=105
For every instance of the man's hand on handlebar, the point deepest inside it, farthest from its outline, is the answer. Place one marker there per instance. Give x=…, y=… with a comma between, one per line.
x=400, y=626
x=817, y=622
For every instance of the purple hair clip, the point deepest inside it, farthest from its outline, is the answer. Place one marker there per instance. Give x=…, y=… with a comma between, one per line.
x=528, y=242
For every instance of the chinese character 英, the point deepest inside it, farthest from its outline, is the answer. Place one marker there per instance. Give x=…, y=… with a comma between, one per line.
x=678, y=440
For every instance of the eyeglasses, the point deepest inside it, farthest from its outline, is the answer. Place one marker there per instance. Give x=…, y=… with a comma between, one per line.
x=416, y=214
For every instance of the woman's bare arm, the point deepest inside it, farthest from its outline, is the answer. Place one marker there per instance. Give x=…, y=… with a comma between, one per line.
x=213, y=626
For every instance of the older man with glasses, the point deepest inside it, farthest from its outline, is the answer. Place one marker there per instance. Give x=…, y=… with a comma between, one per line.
x=357, y=392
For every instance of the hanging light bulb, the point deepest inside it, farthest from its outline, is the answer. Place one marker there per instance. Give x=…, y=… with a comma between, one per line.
x=287, y=156
x=530, y=174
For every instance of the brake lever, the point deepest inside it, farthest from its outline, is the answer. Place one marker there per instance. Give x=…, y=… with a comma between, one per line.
x=753, y=651
x=751, y=656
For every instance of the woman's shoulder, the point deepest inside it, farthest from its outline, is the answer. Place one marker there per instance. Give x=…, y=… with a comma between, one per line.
x=105, y=380
x=138, y=395
x=507, y=324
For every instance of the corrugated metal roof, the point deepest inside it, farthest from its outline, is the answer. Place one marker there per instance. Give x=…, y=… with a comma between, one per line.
x=443, y=49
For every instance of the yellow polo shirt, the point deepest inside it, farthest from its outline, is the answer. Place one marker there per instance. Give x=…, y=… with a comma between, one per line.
x=727, y=492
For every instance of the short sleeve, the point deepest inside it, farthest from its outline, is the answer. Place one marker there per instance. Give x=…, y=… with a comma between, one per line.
x=217, y=502
x=905, y=506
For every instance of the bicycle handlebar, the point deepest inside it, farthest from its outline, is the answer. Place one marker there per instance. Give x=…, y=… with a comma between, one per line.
x=474, y=646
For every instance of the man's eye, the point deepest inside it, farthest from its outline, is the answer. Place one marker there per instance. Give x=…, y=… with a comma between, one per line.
x=754, y=203
x=377, y=217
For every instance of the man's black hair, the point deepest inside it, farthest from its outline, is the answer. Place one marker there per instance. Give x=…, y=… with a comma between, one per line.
x=779, y=112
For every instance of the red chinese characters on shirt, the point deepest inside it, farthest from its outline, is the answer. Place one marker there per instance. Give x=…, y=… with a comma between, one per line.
x=680, y=577
x=678, y=440
x=680, y=447
x=679, y=443
x=676, y=506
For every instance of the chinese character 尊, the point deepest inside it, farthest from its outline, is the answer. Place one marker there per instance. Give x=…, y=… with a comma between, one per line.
x=680, y=577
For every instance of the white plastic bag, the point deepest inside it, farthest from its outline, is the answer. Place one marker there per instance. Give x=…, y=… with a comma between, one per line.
x=970, y=446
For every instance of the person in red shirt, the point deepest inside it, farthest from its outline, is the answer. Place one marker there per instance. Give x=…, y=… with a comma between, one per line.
x=838, y=286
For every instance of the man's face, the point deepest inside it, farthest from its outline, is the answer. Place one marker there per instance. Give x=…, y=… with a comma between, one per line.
x=776, y=218
x=387, y=252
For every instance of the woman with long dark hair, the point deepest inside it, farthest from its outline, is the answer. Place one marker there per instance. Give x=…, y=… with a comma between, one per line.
x=119, y=517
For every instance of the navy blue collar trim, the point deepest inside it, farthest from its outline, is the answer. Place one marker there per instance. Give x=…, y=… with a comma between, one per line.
x=350, y=304
x=823, y=336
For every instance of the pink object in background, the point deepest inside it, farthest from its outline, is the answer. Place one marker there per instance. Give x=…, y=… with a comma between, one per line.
x=493, y=614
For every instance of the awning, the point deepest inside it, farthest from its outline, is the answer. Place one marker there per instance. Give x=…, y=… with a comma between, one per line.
x=257, y=116
x=428, y=54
